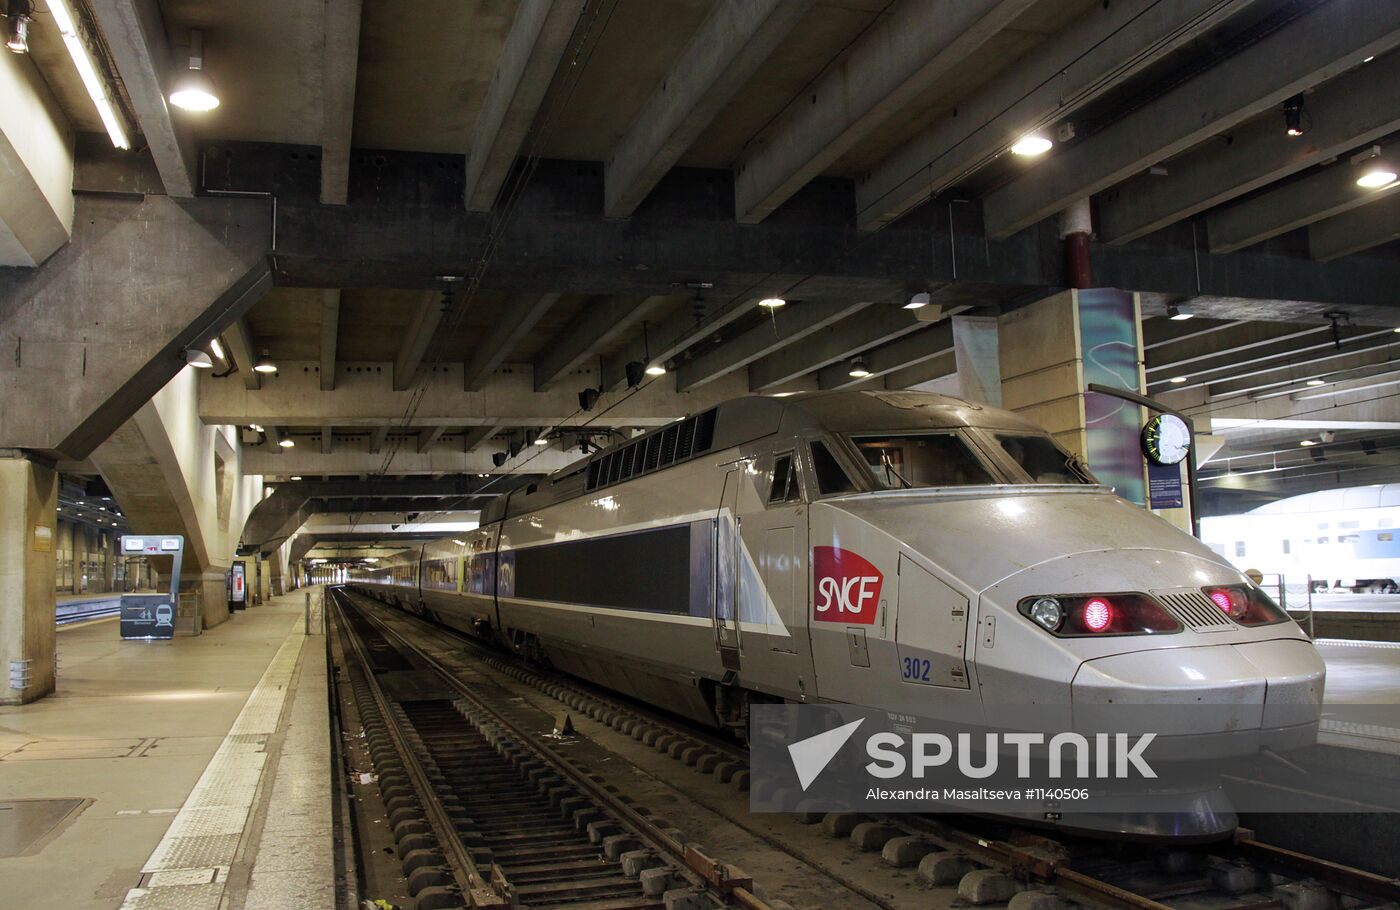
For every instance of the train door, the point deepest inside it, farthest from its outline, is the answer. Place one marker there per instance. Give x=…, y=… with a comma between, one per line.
x=773, y=600
x=728, y=569
x=930, y=629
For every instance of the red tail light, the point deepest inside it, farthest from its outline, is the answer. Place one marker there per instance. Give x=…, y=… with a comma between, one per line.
x=1098, y=613
x=1082, y=615
x=1246, y=605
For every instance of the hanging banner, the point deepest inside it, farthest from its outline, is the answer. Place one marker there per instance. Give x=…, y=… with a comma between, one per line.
x=1108, y=337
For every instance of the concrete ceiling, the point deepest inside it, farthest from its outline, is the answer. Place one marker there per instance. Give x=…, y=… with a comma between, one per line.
x=842, y=153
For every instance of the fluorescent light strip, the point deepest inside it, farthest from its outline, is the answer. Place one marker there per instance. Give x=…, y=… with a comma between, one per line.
x=96, y=88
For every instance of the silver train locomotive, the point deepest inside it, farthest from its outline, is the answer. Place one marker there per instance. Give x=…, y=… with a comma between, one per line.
x=872, y=548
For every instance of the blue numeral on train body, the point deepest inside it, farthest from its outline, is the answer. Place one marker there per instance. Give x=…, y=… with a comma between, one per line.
x=917, y=669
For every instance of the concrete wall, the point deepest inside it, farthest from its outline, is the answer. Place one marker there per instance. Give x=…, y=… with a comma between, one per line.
x=174, y=474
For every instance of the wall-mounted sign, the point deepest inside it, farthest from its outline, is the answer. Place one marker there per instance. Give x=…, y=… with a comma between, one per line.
x=43, y=539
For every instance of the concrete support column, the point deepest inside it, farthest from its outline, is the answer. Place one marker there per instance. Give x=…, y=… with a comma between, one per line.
x=28, y=515
x=1076, y=227
x=1052, y=350
x=80, y=552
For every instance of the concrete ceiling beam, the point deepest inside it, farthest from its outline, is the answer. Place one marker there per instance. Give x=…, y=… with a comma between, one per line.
x=937, y=367
x=685, y=328
x=1306, y=52
x=1325, y=194
x=1105, y=46
x=887, y=69
x=377, y=437
x=327, y=440
x=156, y=277
x=1265, y=357
x=915, y=348
x=728, y=48
x=427, y=438
x=475, y=436
x=1292, y=377
x=833, y=344
x=1263, y=339
x=1356, y=231
x=785, y=326
x=417, y=337
x=330, y=337
x=367, y=400
x=539, y=36
x=350, y=460
x=135, y=35
x=36, y=166
x=600, y=324
x=521, y=315
x=238, y=342
x=340, y=64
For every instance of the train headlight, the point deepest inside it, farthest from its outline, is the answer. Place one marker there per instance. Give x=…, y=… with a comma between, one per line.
x=1048, y=612
x=1086, y=615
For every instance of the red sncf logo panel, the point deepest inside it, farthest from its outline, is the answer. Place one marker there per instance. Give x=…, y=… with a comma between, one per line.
x=847, y=587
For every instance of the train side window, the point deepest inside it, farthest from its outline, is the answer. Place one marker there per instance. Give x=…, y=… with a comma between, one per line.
x=1324, y=540
x=784, y=488
x=1385, y=536
x=1239, y=548
x=1349, y=538
x=830, y=476
x=1287, y=547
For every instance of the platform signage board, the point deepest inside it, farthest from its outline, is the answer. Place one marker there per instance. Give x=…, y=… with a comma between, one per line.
x=238, y=585
x=148, y=617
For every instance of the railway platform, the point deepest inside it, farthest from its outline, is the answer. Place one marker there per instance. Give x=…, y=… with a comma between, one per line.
x=191, y=773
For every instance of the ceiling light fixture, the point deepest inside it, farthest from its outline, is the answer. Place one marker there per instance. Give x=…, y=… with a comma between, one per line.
x=918, y=301
x=97, y=89
x=1177, y=380
x=656, y=369
x=194, y=90
x=1179, y=313
x=542, y=439
x=1294, y=116
x=772, y=303
x=1376, y=172
x=1315, y=382
x=1031, y=145
x=296, y=477
x=858, y=368
x=17, y=28
x=199, y=359
x=1308, y=442
x=264, y=364
x=285, y=443
x=216, y=348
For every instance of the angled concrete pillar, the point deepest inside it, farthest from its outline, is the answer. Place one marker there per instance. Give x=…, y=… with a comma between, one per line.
x=93, y=333
x=28, y=515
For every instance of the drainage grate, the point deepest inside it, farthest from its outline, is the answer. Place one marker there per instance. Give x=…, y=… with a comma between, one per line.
x=1195, y=610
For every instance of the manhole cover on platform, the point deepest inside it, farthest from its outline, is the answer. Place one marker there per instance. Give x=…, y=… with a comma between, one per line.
x=27, y=824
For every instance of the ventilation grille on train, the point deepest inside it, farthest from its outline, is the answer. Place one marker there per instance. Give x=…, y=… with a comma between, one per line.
x=1195, y=611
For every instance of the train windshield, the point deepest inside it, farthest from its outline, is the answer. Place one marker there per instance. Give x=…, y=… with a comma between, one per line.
x=1042, y=459
x=903, y=460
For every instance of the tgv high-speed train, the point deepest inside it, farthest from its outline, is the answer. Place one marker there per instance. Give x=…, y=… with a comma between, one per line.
x=1344, y=540
x=874, y=548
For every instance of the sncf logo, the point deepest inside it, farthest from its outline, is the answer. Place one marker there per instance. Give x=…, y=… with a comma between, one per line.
x=848, y=586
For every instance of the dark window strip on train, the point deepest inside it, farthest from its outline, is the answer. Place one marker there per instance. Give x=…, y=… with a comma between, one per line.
x=662, y=570
x=658, y=449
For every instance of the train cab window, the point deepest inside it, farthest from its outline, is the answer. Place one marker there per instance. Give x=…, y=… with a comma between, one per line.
x=1042, y=459
x=784, y=488
x=898, y=461
x=831, y=478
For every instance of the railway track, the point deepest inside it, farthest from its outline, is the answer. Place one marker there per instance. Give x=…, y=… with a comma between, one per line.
x=985, y=861
x=486, y=815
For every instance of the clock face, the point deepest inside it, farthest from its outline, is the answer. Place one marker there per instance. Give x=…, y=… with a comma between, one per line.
x=1165, y=439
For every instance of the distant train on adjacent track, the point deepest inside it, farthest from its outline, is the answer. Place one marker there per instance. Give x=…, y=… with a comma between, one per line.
x=1343, y=540
x=872, y=548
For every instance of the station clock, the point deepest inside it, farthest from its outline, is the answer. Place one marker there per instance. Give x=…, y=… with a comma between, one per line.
x=1165, y=439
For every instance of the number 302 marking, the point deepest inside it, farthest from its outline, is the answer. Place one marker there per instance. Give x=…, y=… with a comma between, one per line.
x=917, y=669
